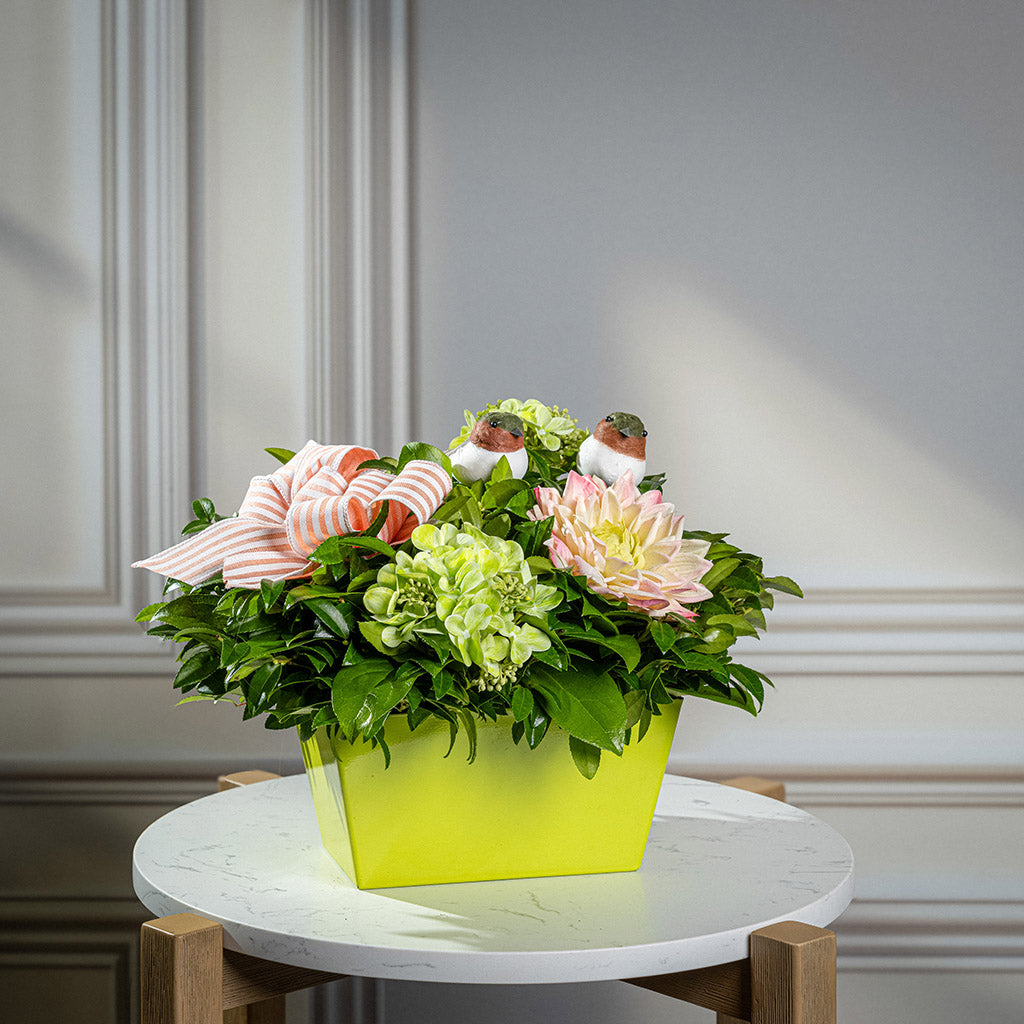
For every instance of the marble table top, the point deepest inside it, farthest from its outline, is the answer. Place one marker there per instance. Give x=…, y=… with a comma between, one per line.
x=719, y=863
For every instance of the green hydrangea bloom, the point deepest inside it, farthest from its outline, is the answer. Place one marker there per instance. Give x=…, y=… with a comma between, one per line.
x=548, y=429
x=470, y=586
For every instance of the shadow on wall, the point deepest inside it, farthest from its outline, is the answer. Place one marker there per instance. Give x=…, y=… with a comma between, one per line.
x=885, y=492
x=46, y=263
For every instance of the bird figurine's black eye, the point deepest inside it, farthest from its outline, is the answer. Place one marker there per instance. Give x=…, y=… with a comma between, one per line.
x=494, y=423
x=644, y=434
x=607, y=419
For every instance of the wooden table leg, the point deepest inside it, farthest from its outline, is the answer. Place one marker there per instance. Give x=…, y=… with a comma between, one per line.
x=182, y=975
x=793, y=974
x=268, y=1011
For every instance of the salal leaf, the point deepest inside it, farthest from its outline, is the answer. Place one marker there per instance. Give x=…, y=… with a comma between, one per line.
x=202, y=508
x=419, y=450
x=719, y=571
x=716, y=640
x=387, y=695
x=663, y=634
x=737, y=623
x=749, y=680
x=702, y=663
x=372, y=632
x=259, y=688
x=636, y=702
x=388, y=465
x=469, y=721
x=624, y=646
x=785, y=584
x=501, y=471
x=498, y=494
x=522, y=703
x=586, y=704
x=197, y=667
x=271, y=592
x=337, y=550
x=330, y=614
x=149, y=611
x=585, y=756
x=351, y=692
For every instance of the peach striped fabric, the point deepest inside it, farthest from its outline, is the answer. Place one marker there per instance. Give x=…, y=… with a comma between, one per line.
x=320, y=493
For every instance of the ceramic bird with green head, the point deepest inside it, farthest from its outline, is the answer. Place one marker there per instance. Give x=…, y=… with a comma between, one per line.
x=493, y=435
x=618, y=443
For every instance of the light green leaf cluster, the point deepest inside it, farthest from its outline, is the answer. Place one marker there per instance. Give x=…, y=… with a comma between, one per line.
x=547, y=428
x=475, y=589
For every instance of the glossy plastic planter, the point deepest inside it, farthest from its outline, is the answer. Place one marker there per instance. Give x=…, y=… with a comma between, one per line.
x=512, y=813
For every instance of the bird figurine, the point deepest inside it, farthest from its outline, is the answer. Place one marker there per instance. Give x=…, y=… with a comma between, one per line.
x=618, y=443
x=493, y=435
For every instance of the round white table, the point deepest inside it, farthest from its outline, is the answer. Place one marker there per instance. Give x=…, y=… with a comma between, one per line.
x=720, y=863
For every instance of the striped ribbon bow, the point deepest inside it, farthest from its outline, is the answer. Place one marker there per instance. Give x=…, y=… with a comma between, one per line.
x=319, y=493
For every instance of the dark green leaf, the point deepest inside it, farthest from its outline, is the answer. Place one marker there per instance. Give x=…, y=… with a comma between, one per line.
x=498, y=526
x=442, y=684
x=469, y=722
x=756, y=618
x=586, y=704
x=586, y=757
x=149, y=611
x=388, y=465
x=198, y=666
x=750, y=680
x=663, y=634
x=702, y=663
x=624, y=646
x=522, y=703
x=539, y=565
x=501, y=471
x=636, y=702
x=418, y=450
x=351, y=692
x=783, y=583
x=271, y=592
x=719, y=571
x=330, y=614
x=498, y=494
x=716, y=640
x=737, y=623
x=202, y=508
x=644, y=724
x=259, y=688
x=536, y=727
x=372, y=632
x=336, y=550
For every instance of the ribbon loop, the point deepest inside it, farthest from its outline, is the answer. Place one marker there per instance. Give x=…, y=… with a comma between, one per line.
x=284, y=517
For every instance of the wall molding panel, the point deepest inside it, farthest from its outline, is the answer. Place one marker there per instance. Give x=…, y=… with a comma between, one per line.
x=62, y=955
x=894, y=935
x=360, y=376
x=143, y=127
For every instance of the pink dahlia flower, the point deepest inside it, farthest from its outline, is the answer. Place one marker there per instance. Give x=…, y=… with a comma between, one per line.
x=629, y=545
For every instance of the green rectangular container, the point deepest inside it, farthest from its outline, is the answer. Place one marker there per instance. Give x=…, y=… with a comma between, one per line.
x=512, y=813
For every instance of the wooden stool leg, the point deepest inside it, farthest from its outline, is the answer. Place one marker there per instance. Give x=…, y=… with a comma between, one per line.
x=182, y=970
x=793, y=974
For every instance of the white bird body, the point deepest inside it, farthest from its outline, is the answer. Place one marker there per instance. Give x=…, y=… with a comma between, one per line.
x=477, y=463
x=598, y=459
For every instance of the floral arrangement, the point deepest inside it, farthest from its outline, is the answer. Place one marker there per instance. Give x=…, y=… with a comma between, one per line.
x=532, y=573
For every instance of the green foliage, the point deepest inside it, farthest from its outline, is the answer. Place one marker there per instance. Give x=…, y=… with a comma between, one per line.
x=307, y=653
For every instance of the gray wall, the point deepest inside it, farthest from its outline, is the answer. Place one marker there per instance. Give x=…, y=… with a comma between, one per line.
x=789, y=235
